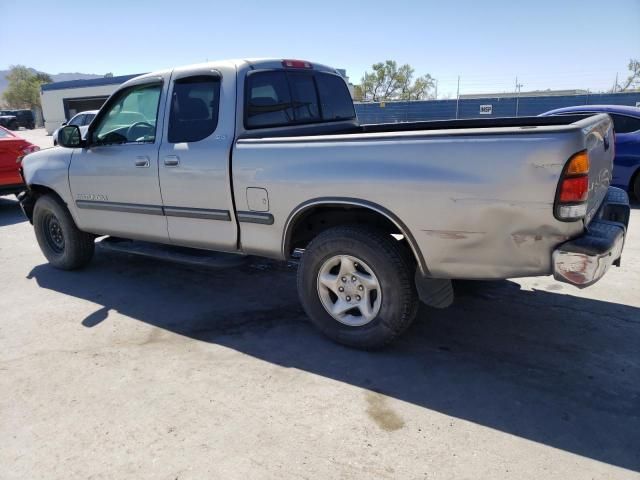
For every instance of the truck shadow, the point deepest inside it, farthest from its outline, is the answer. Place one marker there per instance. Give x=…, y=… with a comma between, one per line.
x=548, y=367
x=10, y=213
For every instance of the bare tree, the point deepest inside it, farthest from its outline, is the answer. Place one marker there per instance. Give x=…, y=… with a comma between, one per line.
x=632, y=82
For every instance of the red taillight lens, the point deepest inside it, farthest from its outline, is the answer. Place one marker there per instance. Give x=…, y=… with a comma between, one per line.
x=296, y=64
x=574, y=189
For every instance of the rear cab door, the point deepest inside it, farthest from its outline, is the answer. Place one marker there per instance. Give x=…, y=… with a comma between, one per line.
x=194, y=166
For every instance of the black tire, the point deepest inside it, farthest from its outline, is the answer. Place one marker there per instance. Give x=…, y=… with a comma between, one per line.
x=394, y=268
x=636, y=186
x=65, y=247
x=13, y=126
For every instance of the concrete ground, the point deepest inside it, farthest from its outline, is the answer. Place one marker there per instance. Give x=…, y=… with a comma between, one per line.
x=134, y=368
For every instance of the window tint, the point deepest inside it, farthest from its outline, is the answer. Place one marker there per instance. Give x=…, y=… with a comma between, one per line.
x=77, y=120
x=130, y=117
x=624, y=124
x=305, y=98
x=194, y=108
x=268, y=100
x=88, y=118
x=335, y=99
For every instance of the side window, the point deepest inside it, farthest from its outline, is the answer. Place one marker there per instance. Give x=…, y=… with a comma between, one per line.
x=335, y=99
x=195, y=102
x=268, y=101
x=624, y=124
x=130, y=117
x=305, y=98
x=77, y=120
x=88, y=118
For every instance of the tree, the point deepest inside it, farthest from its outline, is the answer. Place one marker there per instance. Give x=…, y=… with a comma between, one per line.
x=388, y=81
x=23, y=90
x=633, y=80
x=108, y=75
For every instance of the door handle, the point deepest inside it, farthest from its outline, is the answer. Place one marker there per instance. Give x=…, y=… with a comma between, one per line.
x=142, y=161
x=172, y=160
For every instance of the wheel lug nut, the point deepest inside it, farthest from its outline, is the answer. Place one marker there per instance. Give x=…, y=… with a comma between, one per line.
x=344, y=279
x=341, y=289
x=360, y=287
x=358, y=297
x=348, y=298
x=353, y=279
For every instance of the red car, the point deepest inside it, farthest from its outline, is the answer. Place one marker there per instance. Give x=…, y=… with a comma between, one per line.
x=12, y=149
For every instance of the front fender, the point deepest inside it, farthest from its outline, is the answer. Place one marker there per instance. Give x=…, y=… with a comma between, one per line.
x=50, y=169
x=45, y=171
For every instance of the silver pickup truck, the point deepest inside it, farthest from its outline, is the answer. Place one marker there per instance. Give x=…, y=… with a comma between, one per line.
x=266, y=157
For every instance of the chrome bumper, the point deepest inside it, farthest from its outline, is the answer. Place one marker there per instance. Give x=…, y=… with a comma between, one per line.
x=585, y=259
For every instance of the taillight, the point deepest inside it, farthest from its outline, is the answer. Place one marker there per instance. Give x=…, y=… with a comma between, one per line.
x=26, y=151
x=573, y=190
x=296, y=64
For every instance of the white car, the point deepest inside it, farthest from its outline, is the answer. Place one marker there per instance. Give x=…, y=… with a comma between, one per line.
x=82, y=120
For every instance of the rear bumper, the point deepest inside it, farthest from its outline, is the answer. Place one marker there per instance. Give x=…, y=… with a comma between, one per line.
x=11, y=189
x=585, y=259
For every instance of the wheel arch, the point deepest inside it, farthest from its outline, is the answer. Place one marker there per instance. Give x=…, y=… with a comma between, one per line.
x=362, y=211
x=28, y=198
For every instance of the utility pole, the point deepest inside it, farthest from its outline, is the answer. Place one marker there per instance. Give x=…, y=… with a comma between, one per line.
x=518, y=87
x=436, y=94
x=615, y=85
x=458, y=98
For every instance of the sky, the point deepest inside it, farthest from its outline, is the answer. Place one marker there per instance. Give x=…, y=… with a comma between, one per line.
x=488, y=43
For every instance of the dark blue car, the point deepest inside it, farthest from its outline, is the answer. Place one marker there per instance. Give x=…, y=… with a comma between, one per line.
x=626, y=122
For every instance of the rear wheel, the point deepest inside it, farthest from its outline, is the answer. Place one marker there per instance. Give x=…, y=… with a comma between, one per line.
x=13, y=125
x=61, y=242
x=356, y=285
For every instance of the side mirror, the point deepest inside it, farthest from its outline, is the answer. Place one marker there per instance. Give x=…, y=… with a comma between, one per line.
x=69, y=136
x=63, y=123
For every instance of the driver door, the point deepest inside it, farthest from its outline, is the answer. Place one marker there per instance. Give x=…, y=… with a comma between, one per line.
x=114, y=179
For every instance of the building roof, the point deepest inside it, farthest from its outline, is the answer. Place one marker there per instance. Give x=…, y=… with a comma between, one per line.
x=93, y=82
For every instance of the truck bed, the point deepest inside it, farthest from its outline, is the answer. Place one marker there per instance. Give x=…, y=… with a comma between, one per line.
x=346, y=128
x=477, y=195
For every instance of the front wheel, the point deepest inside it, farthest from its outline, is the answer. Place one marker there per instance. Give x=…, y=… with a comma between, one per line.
x=356, y=284
x=61, y=242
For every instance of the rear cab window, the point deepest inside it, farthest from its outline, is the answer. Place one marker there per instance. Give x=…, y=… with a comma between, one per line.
x=276, y=98
x=195, y=102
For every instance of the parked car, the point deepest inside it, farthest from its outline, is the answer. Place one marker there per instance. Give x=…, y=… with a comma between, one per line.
x=266, y=157
x=626, y=121
x=12, y=150
x=23, y=118
x=82, y=120
x=8, y=121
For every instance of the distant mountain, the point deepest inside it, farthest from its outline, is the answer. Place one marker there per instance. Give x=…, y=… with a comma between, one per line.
x=56, y=77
